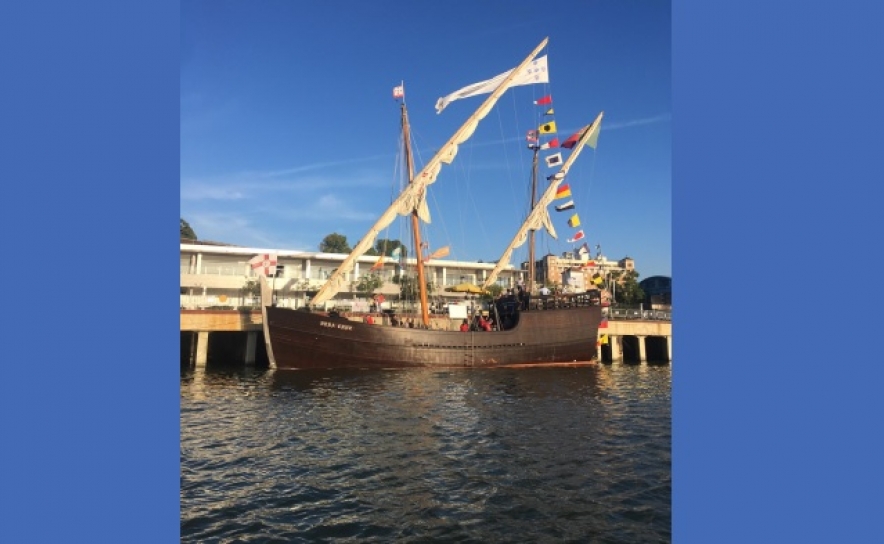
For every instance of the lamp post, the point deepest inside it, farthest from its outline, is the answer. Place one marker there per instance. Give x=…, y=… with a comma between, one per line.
x=614, y=292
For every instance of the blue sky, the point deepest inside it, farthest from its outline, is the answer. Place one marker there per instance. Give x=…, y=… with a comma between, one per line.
x=289, y=131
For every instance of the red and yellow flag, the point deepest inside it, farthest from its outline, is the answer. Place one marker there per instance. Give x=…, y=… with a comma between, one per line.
x=564, y=191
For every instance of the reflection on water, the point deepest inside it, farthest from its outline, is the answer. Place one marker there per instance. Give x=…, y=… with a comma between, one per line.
x=504, y=455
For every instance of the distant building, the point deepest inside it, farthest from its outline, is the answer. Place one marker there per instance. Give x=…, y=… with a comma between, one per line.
x=658, y=292
x=575, y=271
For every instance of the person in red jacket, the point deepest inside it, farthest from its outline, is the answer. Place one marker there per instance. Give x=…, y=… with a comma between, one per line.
x=465, y=326
x=484, y=324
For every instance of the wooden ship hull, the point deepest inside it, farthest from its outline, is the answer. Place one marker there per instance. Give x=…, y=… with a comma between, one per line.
x=307, y=340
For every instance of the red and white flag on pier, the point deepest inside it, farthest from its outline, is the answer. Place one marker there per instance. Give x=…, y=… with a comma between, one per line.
x=264, y=264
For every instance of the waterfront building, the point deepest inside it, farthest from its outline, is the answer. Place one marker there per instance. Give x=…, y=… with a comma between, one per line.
x=215, y=275
x=658, y=292
x=573, y=270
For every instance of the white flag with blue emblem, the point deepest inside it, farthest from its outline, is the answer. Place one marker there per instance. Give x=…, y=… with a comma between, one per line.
x=535, y=72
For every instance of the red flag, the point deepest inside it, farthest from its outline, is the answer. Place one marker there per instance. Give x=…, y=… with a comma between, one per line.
x=544, y=101
x=604, y=323
x=552, y=143
x=571, y=141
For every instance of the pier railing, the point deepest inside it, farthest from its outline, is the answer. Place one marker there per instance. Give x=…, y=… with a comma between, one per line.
x=628, y=313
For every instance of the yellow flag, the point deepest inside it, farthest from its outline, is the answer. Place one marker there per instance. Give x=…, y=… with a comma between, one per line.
x=378, y=264
x=574, y=221
x=548, y=128
x=603, y=339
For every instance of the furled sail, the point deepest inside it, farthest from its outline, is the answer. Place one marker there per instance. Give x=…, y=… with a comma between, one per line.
x=539, y=216
x=413, y=197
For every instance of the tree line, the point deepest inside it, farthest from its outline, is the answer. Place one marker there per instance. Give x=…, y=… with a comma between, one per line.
x=187, y=231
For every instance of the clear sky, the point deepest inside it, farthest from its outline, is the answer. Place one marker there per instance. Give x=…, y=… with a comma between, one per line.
x=289, y=130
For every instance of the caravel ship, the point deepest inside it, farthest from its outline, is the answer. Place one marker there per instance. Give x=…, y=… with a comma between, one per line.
x=539, y=331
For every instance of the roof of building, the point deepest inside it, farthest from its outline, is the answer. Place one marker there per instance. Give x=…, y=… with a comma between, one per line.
x=195, y=242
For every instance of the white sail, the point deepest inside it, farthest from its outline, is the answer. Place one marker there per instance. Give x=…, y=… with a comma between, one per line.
x=539, y=216
x=414, y=195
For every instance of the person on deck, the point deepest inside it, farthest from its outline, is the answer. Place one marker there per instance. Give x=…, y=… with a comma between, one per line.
x=523, y=298
x=484, y=324
x=465, y=326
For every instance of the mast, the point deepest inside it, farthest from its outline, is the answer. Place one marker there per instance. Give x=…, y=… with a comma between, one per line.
x=531, y=256
x=415, y=219
x=539, y=216
x=414, y=197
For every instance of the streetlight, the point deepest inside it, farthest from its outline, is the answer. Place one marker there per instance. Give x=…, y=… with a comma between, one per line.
x=614, y=292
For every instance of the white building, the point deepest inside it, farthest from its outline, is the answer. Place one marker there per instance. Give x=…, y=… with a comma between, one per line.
x=215, y=274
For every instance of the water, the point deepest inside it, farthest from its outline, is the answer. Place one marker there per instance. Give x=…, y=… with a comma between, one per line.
x=533, y=455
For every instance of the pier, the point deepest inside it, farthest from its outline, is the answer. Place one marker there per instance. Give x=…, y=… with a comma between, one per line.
x=637, y=341
x=222, y=337
x=235, y=337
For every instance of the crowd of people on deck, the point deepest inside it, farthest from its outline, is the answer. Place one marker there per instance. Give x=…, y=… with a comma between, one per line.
x=503, y=314
x=505, y=307
x=480, y=323
x=401, y=322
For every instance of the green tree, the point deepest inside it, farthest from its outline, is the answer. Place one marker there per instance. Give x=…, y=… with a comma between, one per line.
x=334, y=243
x=368, y=283
x=408, y=289
x=250, y=289
x=492, y=292
x=186, y=231
x=372, y=252
x=384, y=246
x=628, y=291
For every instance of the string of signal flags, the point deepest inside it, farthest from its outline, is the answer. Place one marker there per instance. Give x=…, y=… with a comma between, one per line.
x=553, y=160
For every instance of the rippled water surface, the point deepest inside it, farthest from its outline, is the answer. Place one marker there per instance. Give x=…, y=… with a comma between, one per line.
x=533, y=455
